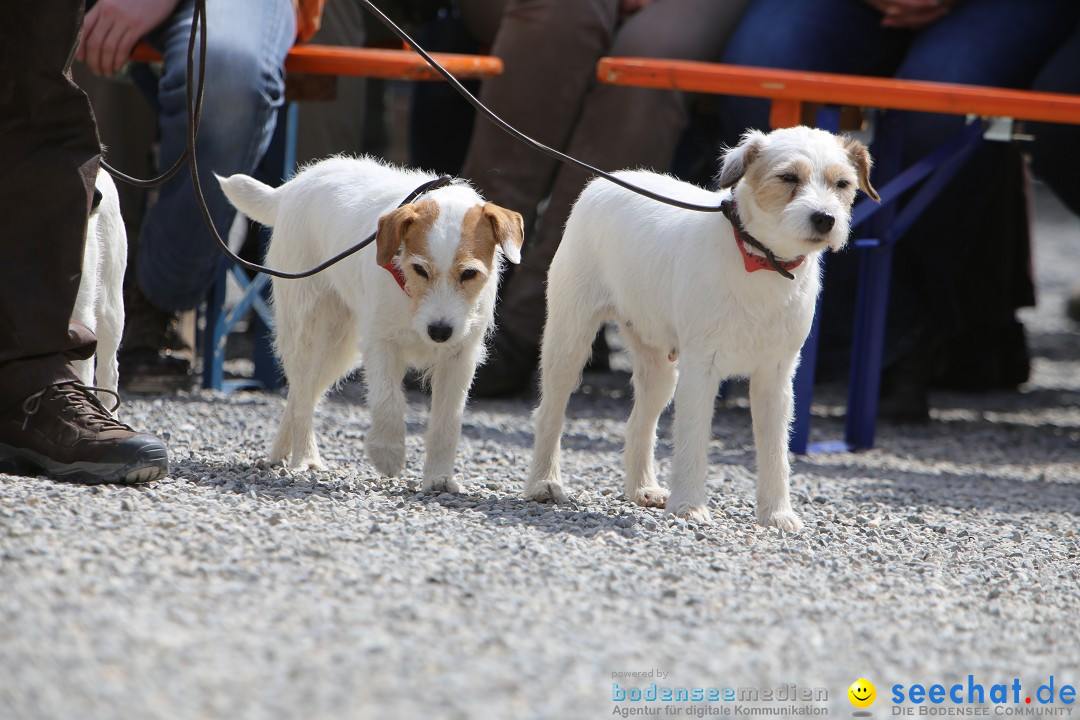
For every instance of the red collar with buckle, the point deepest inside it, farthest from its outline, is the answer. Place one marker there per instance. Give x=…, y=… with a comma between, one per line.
x=753, y=263
x=394, y=269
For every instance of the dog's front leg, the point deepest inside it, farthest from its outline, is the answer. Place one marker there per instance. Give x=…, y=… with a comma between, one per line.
x=384, y=370
x=450, y=380
x=694, y=397
x=771, y=408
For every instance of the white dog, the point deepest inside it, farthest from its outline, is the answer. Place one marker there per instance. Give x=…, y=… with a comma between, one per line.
x=100, y=302
x=422, y=296
x=682, y=285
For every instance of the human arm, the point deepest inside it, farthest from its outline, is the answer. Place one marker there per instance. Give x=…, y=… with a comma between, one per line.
x=112, y=27
x=911, y=14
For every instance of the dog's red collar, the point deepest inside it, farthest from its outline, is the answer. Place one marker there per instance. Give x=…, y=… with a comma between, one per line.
x=752, y=263
x=394, y=269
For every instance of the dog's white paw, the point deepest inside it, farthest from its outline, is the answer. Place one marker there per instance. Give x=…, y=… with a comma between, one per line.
x=683, y=509
x=696, y=513
x=308, y=464
x=387, y=459
x=786, y=520
x=442, y=483
x=652, y=496
x=546, y=491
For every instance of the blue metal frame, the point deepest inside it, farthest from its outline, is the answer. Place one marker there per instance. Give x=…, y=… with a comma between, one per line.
x=887, y=224
x=254, y=291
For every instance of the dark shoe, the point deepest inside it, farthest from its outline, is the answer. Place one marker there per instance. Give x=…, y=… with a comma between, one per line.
x=156, y=355
x=1072, y=305
x=66, y=433
x=986, y=358
x=508, y=370
x=905, y=385
x=600, y=360
x=149, y=371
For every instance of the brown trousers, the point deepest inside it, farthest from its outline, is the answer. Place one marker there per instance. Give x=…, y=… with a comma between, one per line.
x=49, y=156
x=549, y=91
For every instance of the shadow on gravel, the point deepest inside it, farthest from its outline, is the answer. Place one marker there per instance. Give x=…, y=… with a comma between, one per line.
x=568, y=518
x=974, y=492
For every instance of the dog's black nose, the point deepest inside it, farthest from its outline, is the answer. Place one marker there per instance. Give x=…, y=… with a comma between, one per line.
x=822, y=222
x=439, y=331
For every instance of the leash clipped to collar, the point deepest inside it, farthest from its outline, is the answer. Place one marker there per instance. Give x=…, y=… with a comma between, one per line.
x=756, y=262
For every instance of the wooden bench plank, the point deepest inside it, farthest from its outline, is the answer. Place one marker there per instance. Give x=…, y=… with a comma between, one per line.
x=796, y=87
x=369, y=62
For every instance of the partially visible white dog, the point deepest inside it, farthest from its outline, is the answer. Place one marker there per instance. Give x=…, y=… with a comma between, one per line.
x=422, y=296
x=684, y=289
x=100, y=302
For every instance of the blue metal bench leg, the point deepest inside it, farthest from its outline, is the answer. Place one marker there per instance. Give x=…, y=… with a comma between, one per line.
x=875, y=268
x=804, y=385
x=279, y=163
x=872, y=305
x=827, y=119
x=215, y=334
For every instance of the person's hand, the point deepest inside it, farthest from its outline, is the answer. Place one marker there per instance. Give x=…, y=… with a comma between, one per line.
x=910, y=14
x=112, y=27
x=629, y=7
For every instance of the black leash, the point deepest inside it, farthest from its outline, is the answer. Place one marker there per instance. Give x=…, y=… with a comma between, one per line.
x=194, y=105
x=728, y=208
x=195, y=99
x=507, y=127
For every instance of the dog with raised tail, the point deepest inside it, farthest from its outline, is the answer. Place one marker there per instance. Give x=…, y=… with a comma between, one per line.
x=421, y=296
x=699, y=297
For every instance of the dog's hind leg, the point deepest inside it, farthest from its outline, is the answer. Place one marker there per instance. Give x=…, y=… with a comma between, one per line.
x=654, y=383
x=568, y=337
x=771, y=408
x=694, y=398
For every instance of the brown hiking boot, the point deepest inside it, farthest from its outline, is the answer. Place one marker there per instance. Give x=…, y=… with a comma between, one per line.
x=156, y=355
x=66, y=433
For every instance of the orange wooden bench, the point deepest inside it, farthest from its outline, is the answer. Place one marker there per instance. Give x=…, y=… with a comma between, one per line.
x=307, y=60
x=789, y=92
x=386, y=64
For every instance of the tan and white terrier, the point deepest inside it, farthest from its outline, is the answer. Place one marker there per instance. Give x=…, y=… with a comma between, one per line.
x=421, y=296
x=697, y=298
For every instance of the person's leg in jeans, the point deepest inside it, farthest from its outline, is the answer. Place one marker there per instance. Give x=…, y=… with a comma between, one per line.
x=549, y=49
x=840, y=36
x=961, y=270
x=617, y=128
x=176, y=257
x=48, y=421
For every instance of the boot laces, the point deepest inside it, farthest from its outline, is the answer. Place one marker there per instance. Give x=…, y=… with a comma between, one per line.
x=83, y=404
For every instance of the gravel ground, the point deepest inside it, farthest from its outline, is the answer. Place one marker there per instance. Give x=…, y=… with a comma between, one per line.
x=233, y=589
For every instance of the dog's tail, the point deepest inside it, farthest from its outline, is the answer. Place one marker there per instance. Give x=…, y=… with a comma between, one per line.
x=251, y=197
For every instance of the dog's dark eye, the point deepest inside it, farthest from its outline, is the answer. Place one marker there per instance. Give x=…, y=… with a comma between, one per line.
x=468, y=274
x=419, y=270
x=843, y=184
x=789, y=177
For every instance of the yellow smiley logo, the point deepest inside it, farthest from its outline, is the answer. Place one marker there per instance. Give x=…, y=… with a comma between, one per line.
x=862, y=693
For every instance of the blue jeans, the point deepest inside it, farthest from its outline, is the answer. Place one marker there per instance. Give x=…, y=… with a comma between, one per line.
x=1001, y=43
x=974, y=228
x=245, y=86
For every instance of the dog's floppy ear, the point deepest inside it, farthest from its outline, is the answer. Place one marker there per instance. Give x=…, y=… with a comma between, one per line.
x=391, y=232
x=738, y=158
x=860, y=159
x=508, y=228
